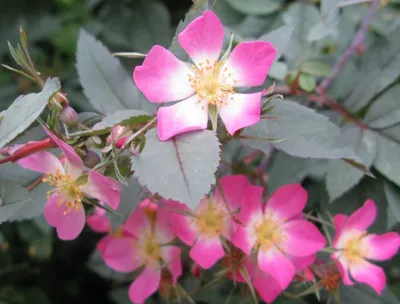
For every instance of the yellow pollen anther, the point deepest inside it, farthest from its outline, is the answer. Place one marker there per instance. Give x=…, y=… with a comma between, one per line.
x=151, y=249
x=210, y=219
x=355, y=250
x=70, y=195
x=210, y=84
x=269, y=233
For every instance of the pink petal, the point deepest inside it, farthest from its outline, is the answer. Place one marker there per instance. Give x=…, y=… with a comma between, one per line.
x=232, y=189
x=162, y=77
x=99, y=222
x=172, y=256
x=68, y=225
x=241, y=110
x=42, y=161
x=145, y=285
x=75, y=164
x=249, y=63
x=164, y=230
x=207, y=251
x=369, y=274
x=267, y=287
x=187, y=115
x=288, y=201
x=244, y=239
x=339, y=221
x=180, y=223
x=302, y=238
x=273, y=262
x=102, y=245
x=252, y=205
x=382, y=247
x=121, y=255
x=104, y=188
x=137, y=222
x=301, y=263
x=343, y=268
x=363, y=217
x=203, y=38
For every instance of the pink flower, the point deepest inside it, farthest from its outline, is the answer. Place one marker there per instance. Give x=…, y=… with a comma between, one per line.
x=147, y=245
x=64, y=209
x=212, y=219
x=209, y=84
x=356, y=247
x=278, y=233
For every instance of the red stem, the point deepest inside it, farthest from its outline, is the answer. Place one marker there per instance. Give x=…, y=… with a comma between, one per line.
x=28, y=149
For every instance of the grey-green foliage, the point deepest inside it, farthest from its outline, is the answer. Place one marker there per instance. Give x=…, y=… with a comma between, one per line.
x=181, y=168
x=25, y=110
x=106, y=83
x=393, y=198
x=340, y=176
x=255, y=7
x=120, y=117
x=12, y=198
x=307, y=133
x=364, y=294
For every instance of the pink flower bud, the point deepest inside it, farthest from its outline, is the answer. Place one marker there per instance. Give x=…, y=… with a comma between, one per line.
x=69, y=116
x=91, y=159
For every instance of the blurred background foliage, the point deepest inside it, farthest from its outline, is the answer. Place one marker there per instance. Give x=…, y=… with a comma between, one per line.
x=37, y=268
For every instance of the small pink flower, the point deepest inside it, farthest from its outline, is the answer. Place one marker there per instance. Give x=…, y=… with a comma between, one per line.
x=208, y=82
x=212, y=219
x=147, y=245
x=278, y=232
x=64, y=209
x=117, y=137
x=356, y=247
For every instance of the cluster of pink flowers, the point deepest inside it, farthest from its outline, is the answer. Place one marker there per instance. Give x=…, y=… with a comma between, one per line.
x=266, y=243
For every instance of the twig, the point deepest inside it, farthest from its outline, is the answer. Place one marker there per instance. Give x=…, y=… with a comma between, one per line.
x=358, y=40
x=28, y=149
x=140, y=131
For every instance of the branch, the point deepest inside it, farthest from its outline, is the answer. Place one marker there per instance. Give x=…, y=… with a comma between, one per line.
x=28, y=149
x=358, y=40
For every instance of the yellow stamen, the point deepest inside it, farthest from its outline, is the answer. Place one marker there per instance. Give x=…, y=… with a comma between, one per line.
x=212, y=84
x=210, y=219
x=355, y=250
x=269, y=233
x=66, y=188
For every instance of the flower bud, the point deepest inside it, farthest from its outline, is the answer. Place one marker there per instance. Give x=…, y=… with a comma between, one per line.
x=91, y=159
x=69, y=116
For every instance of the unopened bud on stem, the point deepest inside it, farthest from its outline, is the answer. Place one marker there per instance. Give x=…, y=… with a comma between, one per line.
x=69, y=116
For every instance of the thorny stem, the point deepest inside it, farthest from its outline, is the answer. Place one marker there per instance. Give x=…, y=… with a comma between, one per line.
x=28, y=149
x=358, y=40
x=318, y=220
x=140, y=131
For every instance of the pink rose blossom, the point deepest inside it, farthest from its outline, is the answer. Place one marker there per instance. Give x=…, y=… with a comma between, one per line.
x=98, y=221
x=356, y=248
x=207, y=83
x=278, y=233
x=64, y=209
x=203, y=228
x=146, y=245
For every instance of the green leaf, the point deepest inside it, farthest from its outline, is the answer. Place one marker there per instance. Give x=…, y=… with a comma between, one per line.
x=255, y=7
x=307, y=82
x=105, y=82
x=24, y=111
x=341, y=176
x=385, y=53
x=279, y=38
x=12, y=198
x=308, y=133
x=393, y=198
x=131, y=196
x=181, y=168
x=303, y=17
x=330, y=19
x=316, y=68
x=385, y=111
x=364, y=294
x=123, y=118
